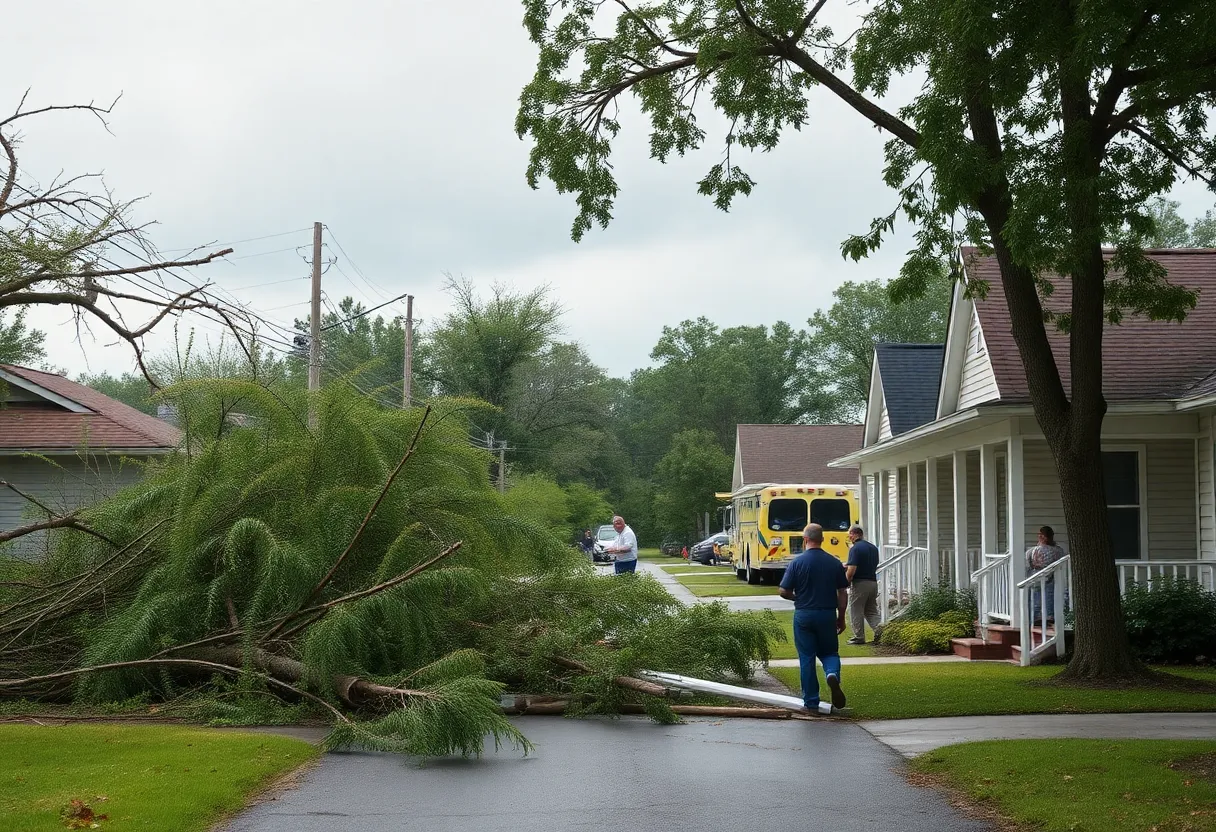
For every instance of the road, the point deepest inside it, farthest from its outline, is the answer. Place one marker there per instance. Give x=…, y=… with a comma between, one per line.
x=624, y=775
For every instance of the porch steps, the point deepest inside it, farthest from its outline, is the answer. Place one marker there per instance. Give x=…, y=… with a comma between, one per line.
x=976, y=649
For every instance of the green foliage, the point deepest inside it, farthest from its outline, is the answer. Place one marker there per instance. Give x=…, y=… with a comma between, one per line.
x=20, y=344
x=687, y=476
x=358, y=349
x=131, y=389
x=921, y=636
x=1171, y=620
x=932, y=602
x=1170, y=230
x=842, y=339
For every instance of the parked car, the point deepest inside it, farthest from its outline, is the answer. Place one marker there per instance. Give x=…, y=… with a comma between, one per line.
x=672, y=547
x=703, y=552
x=603, y=536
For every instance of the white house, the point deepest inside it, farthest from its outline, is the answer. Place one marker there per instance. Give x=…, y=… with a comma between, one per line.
x=957, y=477
x=66, y=445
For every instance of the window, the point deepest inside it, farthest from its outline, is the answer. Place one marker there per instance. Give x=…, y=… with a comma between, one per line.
x=1121, y=478
x=787, y=515
x=833, y=515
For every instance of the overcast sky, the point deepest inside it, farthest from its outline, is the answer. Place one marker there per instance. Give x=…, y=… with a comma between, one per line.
x=392, y=123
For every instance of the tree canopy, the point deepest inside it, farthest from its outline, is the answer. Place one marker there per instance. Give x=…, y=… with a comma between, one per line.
x=1035, y=131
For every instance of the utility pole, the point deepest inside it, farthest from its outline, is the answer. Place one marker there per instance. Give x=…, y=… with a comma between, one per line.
x=409, y=349
x=314, y=341
x=502, y=468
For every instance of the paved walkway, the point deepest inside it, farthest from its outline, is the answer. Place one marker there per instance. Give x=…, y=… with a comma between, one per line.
x=625, y=775
x=854, y=660
x=681, y=592
x=911, y=737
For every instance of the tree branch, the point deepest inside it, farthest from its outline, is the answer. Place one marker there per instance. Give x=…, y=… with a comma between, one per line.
x=1171, y=155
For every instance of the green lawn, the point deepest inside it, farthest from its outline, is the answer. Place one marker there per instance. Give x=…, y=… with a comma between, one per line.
x=650, y=553
x=709, y=589
x=785, y=649
x=906, y=691
x=683, y=566
x=150, y=777
x=710, y=578
x=1085, y=785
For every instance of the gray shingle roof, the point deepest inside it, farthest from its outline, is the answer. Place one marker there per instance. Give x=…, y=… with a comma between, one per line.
x=911, y=375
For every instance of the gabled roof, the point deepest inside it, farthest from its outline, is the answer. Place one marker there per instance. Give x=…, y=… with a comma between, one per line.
x=795, y=453
x=910, y=375
x=1142, y=359
x=55, y=413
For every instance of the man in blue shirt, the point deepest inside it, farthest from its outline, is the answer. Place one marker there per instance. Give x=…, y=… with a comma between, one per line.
x=817, y=585
x=862, y=572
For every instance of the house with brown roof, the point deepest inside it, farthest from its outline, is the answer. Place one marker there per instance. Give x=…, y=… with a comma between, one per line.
x=793, y=454
x=66, y=445
x=957, y=491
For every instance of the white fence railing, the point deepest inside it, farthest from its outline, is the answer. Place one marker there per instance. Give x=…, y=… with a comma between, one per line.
x=1044, y=599
x=993, y=588
x=888, y=551
x=946, y=562
x=1147, y=571
x=900, y=578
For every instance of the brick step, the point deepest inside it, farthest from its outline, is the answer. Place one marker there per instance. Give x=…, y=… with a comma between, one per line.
x=976, y=649
x=1003, y=634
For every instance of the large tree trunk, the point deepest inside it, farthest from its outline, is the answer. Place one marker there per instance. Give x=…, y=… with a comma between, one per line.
x=1102, y=652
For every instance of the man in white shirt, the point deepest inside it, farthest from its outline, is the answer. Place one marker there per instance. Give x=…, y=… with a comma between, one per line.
x=625, y=547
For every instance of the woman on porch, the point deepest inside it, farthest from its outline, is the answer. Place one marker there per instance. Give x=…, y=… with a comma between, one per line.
x=1038, y=557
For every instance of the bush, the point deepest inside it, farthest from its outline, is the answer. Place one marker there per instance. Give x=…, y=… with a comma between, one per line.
x=1175, y=621
x=935, y=601
x=926, y=636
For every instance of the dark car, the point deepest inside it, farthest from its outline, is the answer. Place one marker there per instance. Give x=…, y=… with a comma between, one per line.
x=703, y=552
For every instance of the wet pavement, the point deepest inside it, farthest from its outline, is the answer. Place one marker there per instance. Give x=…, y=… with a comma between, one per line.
x=916, y=736
x=625, y=774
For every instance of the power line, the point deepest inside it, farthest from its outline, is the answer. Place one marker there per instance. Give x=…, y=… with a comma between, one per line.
x=354, y=265
x=366, y=312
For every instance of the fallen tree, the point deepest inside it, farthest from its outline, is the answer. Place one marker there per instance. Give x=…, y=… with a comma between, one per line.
x=365, y=567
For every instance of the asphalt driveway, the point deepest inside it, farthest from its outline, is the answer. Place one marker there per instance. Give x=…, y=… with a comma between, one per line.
x=624, y=774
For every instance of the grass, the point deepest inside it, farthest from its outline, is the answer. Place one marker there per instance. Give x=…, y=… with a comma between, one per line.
x=785, y=649
x=684, y=567
x=709, y=578
x=142, y=777
x=1085, y=785
x=708, y=589
x=908, y=691
x=652, y=553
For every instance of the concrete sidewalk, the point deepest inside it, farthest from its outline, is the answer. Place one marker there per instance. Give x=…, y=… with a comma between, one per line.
x=855, y=660
x=681, y=592
x=911, y=737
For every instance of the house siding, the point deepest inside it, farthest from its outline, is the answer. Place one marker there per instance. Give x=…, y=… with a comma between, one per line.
x=68, y=484
x=975, y=538
x=1207, y=493
x=1170, y=481
x=1002, y=504
x=897, y=488
x=978, y=383
x=922, y=504
x=945, y=503
x=1171, y=499
x=884, y=424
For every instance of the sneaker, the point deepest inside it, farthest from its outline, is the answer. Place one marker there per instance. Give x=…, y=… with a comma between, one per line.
x=838, y=699
x=856, y=641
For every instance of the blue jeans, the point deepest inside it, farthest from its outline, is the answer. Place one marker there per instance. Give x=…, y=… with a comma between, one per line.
x=625, y=566
x=1036, y=601
x=815, y=638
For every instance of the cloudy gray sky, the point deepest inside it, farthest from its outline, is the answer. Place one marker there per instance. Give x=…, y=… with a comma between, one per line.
x=392, y=123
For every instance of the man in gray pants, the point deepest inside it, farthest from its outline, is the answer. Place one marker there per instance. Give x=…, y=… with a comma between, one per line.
x=862, y=572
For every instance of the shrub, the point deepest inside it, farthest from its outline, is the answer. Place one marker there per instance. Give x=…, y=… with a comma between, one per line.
x=1174, y=621
x=935, y=601
x=920, y=636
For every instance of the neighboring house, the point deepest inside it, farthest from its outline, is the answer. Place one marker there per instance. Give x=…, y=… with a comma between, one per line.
x=793, y=454
x=67, y=445
x=956, y=475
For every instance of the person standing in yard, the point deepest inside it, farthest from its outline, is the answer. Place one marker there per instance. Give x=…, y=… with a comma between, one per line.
x=625, y=547
x=862, y=572
x=816, y=583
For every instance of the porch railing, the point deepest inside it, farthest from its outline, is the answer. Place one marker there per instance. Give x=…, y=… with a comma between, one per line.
x=1147, y=571
x=900, y=578
x=1047, y=588
x=974, y=561
x=888, y=551
x=993, y=584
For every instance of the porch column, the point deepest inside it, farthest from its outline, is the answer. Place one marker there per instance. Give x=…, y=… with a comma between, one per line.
x=962, y=565
x=988, y=535
x=1016, y=520
x=931, y=518
x=913, y=517
x=863, y=503
x=880, y=516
